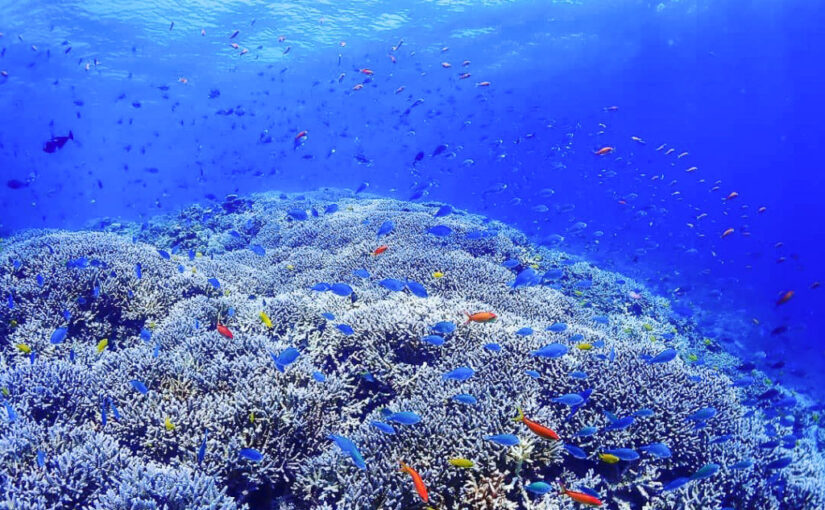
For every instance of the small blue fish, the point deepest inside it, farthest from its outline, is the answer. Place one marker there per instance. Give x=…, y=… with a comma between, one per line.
x=703, y=414
x=145, y=334
x=257, y=249
x=578, y=374
x=575, y=451
x=202, y=447
x=644, y=413
x=346, y=329
x=705, y=471
x=40, y=280
x=492, y=347
x=285, y=358
x=571, y=399
x=618, y=423
x=659, y=450
x=587, y=431
x=164, y=254
x=385, y=228
x=214, y=282
x=41, y=458
x=625, y=454
x=383, y=427
x=251, y=454
x=444, y=327
x=663, y=357
x=510, y=263
x=524, y=332
x=444, y=210
x=538, y=488
x=361, y=273
x=347, y=446
x=742, y=464
x=433, y=339
x=503, y=439
x=319, y=376
x=328, y=316
x=404, y=418
x=465, y=398
x=416, y=289
x=297, y=214
x=526, y=278
x=139, y=386
x=331, y=208
x=551, y=351
x=557, y=327
x=392, y=284
x=721, y=439
x=156, y=351
x=11, y=414
x=440, y=231
x=780, y=463
x=675, y=484
x=532, y=373
x=340, y=289
x=459, y=374
x=59, y=335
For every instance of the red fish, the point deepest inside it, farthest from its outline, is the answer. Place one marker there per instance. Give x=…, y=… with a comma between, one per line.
x=299, y=139
x=732, y=195
x=417, y=481
x=366, y=71
x=727, y=232
x=480, y=317
x=537, y=429
x=224, y=331
x=381, y=249
x=785, y=298
x=483, y=84
x=580, y=497
x=463, y=76
x=603, y=151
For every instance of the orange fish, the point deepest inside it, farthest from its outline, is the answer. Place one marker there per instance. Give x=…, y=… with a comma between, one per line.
x=183, y=80
x=580, y=497
x=446, y=65
x=603, y=151
x=244, y=51
x=224, y=331
x=393, y=59
x=381, y=249
x=483, y=84
x=366, y=71
x=399, y=89
x=420, y=488
x=300, y=135
x=234, y=45
x=785, y=298
x=358, y=86
x=480, y=317
x=727, y=232
x=762, y=209
x=537, y=429
x=732, y=195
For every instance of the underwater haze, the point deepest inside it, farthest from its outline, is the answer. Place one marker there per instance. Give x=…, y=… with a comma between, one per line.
x=413, y=254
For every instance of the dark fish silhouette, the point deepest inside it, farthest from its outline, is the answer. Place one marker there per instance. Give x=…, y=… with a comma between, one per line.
x=57, y=142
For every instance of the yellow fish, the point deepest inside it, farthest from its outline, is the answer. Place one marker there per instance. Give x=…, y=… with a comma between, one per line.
x=5, y=391
x=168, y=424
x=265, y=319
x=438, y=274
x=198, y=254
x=101, y=346
x=584, y=346
x=290, y=267
x=252, y=417
x=25, y=349
x=461, y=462
x=647, y=327
x=608, y=458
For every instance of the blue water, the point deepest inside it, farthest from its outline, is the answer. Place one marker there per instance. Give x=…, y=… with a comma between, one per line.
x=164, y=112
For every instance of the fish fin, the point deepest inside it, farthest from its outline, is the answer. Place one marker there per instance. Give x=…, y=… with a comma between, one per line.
x=71, y=135
x=520, y=416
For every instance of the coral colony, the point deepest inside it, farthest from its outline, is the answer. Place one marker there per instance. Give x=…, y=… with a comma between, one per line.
x=331, y=350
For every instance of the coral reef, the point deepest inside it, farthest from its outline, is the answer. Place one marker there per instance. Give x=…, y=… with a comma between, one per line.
x=174, y=412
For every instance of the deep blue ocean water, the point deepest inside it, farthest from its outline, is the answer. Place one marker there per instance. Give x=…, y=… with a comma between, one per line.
x=495, y=107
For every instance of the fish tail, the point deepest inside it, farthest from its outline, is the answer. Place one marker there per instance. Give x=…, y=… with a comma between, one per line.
x=404, y=468
x=562, y=488
x=468, y=317
x=520, y=416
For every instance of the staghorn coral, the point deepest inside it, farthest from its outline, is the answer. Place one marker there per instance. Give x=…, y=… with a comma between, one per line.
x=161, y=330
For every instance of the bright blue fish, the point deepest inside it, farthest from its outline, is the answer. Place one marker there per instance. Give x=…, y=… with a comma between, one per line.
x=623, y=453
x=416, y=289
x=742, y=464
x=703, y=414
x=361, y=273
x=251, y=454
x=285, y=358
x=444, y=210
x=459, y=374
x=587, y=431
x=138, y=271
x=675, y=484
x=571, y=399
x=663, y=357
x=392, y=284
x=404, y=418
x=659, y=450
x=347, y=446
x=578, y=374
x=780, y=463
x=346, y=329
x=297, y=214
x=164, y=254
x=557, y=327
x=533, y=374
x=503, y=439
x=59, y=335
x=385, y=228
x=202, y=448
x=257, y=249
x=444, y=327
x=526, y=278
x=319, y=376
x=705, y=471
x=551, y=351
x=465, y=398
x=525, y=332
x=539, y=488
x=433, y=339
x=139, y=386
x=575, y=451
x=214, y=282
x=320, y=287
x=328, y=316
x=383, y=427
x=493, y=347
x=340, y=289
x=440, y=230
x=510, y=263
